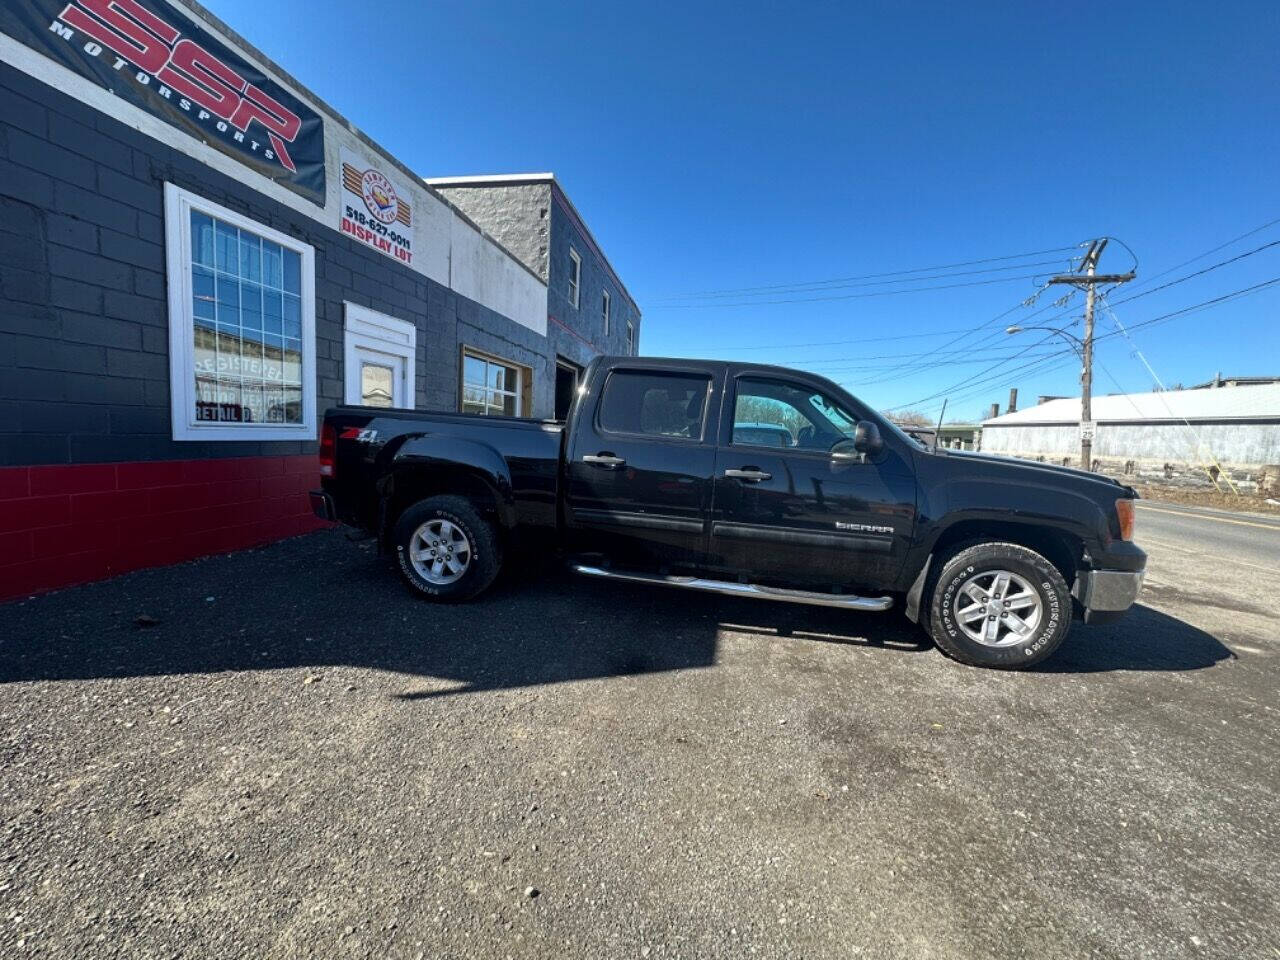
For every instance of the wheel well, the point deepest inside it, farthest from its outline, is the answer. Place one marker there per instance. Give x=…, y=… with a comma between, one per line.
x=410, y=487
x=1061, y=549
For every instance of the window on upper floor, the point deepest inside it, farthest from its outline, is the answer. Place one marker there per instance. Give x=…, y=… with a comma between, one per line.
x=241, y=325
x=631, y=339
x=605, y=306
x=575, y=277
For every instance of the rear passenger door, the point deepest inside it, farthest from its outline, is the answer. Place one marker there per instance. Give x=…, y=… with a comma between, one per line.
x=639, y=468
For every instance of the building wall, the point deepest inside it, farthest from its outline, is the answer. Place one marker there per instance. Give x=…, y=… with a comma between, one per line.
x=577, y=333
x=1232, y=444
x=517, y=215
x=91, y=481
x=534, y=221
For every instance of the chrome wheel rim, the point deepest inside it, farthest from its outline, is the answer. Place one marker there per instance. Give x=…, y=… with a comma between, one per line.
x=998, y=608
x=440, y=552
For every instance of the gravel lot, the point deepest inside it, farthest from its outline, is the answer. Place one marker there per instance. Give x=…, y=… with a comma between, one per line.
x=302, y=759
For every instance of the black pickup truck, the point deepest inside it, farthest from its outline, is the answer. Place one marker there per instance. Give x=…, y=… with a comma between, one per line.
x=746, y=480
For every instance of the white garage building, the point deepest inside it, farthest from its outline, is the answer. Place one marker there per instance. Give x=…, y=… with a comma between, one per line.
x=1170, y=432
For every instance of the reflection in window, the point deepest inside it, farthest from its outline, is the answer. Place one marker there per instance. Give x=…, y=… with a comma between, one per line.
x=490, y=387
x=658, y=404
x=377, y=385
x=247, y=317
x=773, y=413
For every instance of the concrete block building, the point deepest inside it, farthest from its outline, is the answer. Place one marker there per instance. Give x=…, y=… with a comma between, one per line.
x=589, y=311
x=197, y=257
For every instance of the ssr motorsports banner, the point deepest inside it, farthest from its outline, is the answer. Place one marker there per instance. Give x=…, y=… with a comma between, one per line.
x=154, y=57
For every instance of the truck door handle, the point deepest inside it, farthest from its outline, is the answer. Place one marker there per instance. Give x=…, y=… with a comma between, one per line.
x=606, y=460
x=749, y=475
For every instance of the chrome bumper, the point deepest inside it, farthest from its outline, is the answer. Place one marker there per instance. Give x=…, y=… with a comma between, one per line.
x=1108, y=591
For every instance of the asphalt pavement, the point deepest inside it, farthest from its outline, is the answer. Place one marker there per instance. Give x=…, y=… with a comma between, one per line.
x=1239, y=539
x=283, y=753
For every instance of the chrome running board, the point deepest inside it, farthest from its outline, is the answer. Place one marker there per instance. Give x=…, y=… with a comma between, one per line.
x=845, y=601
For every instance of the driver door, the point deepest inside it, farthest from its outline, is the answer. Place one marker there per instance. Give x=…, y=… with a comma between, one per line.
x=785, y=510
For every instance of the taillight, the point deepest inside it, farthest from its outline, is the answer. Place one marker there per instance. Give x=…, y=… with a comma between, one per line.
x=1124, y=513
x=328, y=450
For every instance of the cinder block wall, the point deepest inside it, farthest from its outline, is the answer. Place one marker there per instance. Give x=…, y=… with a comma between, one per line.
x=84, y=362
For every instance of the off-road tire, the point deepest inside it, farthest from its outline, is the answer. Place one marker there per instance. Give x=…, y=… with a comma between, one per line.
x=486, y=555
x=970, y=561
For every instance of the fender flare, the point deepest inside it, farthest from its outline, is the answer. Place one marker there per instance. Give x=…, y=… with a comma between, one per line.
x=428, y=453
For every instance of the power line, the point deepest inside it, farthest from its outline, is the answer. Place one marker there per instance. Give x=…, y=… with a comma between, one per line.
x=1163, y=318
x=852, y=296
x=831, y=285
x=868, y=276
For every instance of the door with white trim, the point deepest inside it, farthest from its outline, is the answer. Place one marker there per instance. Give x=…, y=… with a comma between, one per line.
x=378, y=359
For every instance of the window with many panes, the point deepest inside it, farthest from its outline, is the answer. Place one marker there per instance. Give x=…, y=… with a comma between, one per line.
x=575, y=277
x=241, y=325
x=491, y=387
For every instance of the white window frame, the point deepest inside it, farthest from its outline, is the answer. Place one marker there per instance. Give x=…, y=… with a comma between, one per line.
x=631, y=339
x=373, y=331
x=575, y=278
x=607, y=308
x=489, y=358
x=178, y=204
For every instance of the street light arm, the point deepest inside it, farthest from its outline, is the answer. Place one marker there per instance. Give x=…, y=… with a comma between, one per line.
x=1076, y=343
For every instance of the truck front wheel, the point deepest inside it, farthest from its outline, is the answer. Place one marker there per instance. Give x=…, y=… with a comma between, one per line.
x=999, y=605
x=446, y=550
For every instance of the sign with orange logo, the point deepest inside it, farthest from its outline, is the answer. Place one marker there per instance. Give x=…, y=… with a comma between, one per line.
x=375, y=209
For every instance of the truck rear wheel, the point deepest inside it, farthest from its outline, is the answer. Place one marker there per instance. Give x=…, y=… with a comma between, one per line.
x=999, y=605
x=446, y=550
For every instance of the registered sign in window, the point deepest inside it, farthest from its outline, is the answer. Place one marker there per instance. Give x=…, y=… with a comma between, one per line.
x=241, y=325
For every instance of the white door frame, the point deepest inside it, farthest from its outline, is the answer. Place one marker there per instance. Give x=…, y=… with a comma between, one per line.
x=367, y=331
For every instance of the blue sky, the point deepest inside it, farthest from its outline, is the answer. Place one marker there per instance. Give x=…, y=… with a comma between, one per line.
x=716, y=147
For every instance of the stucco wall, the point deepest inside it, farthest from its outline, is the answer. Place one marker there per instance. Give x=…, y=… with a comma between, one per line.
x=517, y=215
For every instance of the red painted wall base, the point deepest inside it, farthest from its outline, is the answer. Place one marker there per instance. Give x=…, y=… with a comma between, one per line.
x=68, y=524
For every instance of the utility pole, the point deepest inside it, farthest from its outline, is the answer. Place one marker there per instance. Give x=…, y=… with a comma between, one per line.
x=1088, y=277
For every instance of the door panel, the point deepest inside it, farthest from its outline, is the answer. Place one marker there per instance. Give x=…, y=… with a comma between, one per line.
x=797, y=513
x=639, y=473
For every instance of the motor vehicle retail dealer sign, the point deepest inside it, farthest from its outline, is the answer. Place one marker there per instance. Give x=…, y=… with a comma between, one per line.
x=375, y=208
x=152, y=56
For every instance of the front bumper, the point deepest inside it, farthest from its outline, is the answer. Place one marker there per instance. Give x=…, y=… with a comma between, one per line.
x=1106, y=594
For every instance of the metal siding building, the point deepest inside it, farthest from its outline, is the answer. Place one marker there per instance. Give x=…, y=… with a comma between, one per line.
x=179, y=304
x=1239, y=427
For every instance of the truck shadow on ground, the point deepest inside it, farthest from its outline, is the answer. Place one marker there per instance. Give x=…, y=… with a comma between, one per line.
x=319, y=601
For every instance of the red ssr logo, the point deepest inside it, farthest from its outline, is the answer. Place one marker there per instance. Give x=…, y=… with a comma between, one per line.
x=157, y=48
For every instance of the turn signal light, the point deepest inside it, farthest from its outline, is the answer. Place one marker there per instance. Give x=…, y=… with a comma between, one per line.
x=328, y=450
x=1124, y=513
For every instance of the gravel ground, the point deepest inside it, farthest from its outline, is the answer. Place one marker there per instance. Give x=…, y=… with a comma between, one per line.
x=300, y=759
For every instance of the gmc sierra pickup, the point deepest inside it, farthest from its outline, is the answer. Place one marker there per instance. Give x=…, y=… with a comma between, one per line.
x=746, y=480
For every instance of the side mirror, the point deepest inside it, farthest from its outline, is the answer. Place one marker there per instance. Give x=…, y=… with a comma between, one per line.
x=866, y=438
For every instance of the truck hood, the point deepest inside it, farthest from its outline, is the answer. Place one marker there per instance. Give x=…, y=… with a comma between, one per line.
x=1048, y=472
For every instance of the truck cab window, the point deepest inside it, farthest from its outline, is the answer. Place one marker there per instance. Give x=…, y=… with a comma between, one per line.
x=654, y=404
x=774, y=413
